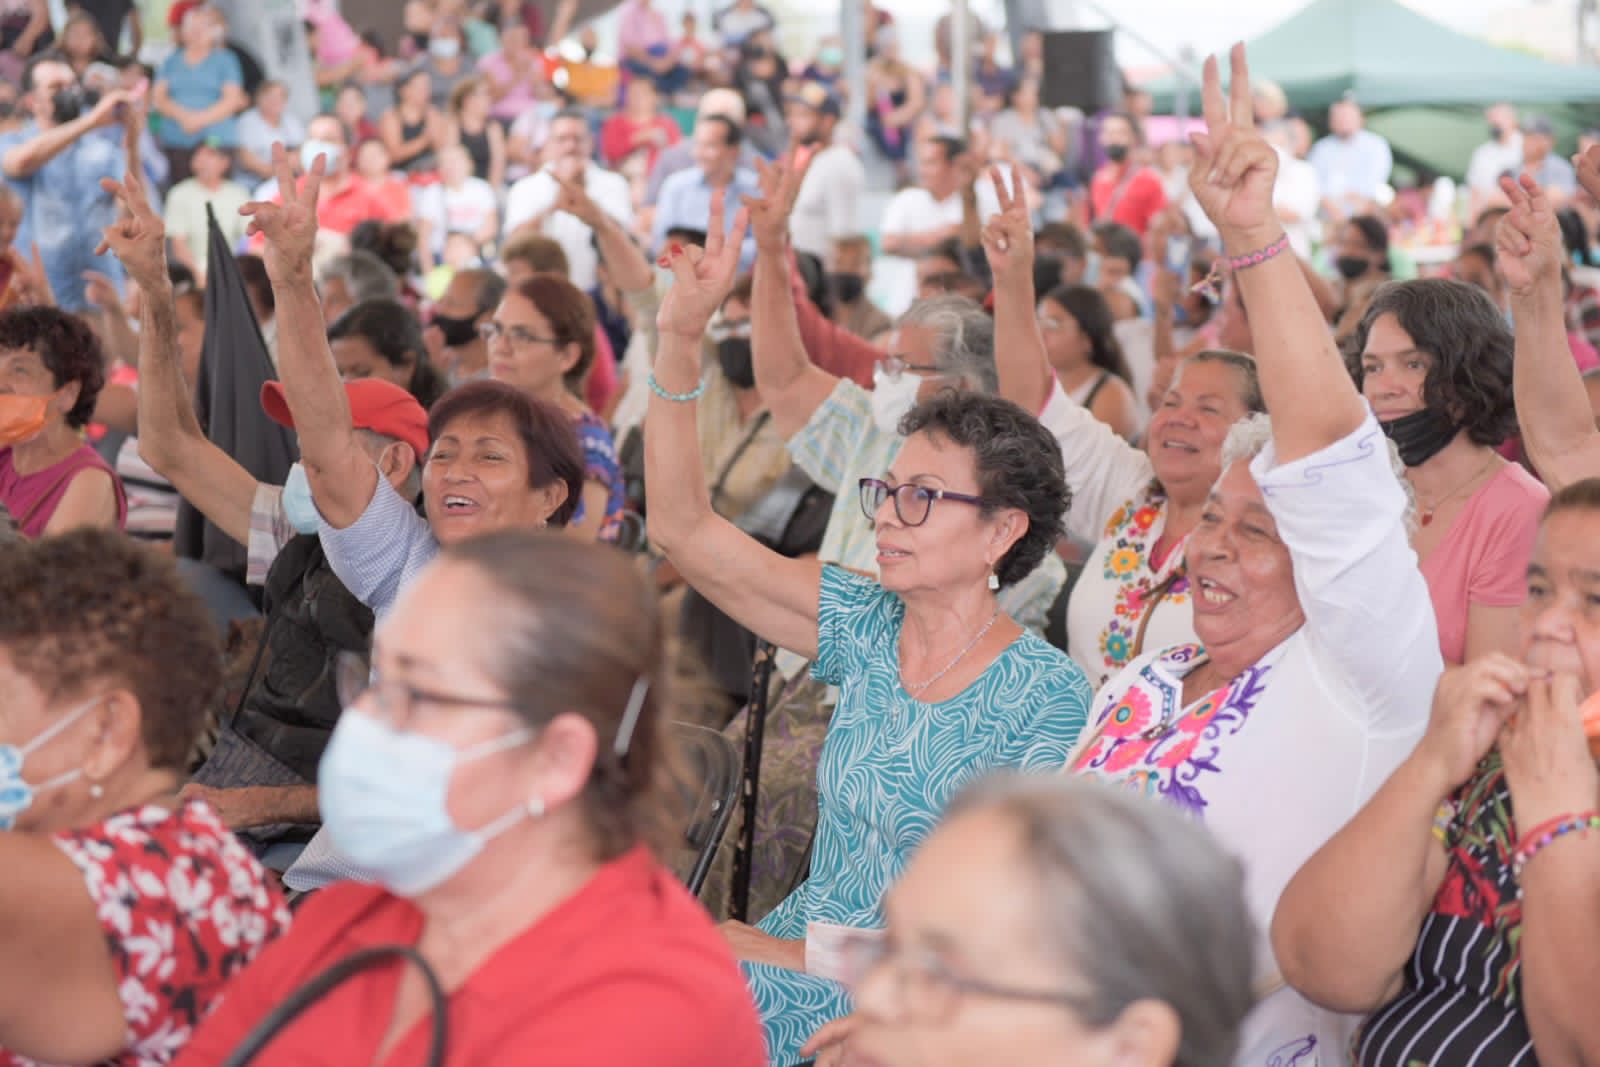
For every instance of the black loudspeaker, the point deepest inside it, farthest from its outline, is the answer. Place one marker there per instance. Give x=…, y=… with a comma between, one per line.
x=1080, y=70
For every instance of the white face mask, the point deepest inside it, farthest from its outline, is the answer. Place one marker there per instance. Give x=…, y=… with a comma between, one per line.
x=312, y=149
x=893, y=398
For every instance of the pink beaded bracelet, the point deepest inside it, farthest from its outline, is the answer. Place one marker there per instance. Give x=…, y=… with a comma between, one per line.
x=1546, y=832
x=1260, y=256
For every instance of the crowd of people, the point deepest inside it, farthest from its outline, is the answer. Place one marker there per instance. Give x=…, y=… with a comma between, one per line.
x=1185, y=614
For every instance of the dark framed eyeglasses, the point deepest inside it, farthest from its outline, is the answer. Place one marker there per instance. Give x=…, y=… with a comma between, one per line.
x=912, y=503
x=519, y=336
x=397, y=702
x=924, y=988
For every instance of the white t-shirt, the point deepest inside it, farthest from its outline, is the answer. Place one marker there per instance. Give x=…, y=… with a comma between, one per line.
x=535, y=194
x=1492, y=159
x=462, y=210
x=914, y=210
x=1278, y=761
x=827, y=207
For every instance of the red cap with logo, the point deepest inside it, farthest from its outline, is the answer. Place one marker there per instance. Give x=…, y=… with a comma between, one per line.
x=375, y=405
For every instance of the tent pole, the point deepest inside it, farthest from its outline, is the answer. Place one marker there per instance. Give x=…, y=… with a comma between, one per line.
x=961, y=63
x=853, y=32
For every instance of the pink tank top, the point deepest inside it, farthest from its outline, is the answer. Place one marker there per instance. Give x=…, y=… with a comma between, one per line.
x=33, y=498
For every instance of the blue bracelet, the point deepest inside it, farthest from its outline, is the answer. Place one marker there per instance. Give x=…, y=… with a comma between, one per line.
x=681, y=398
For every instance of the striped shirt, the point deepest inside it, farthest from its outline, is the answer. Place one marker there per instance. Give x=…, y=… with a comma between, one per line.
x=152, y=501
x=270, y=530
x=1462, y=1002
x=381, y=552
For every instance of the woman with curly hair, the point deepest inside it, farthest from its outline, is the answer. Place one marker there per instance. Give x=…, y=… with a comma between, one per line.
x=936, y=683
x=51, y=373
x=1433, y=358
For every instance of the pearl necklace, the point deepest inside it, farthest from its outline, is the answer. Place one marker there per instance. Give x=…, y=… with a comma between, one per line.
x=913, y=690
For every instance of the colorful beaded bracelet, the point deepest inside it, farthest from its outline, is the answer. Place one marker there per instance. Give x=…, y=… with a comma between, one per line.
x=681, y=398
x=1261, y=255
x=1536, y=839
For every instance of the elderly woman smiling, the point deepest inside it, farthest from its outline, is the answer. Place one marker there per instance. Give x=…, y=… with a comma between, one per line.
x=937, y=684
x=1319, y=647
x=1052, y=920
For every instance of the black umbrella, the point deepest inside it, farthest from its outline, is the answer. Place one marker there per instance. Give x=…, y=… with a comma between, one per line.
x=233, y=366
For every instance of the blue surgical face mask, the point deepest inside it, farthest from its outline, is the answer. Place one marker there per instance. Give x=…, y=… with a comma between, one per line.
x=1091, y=269
x=444, y=47
x=298, y=507
x=16, y=794
x=384, y=796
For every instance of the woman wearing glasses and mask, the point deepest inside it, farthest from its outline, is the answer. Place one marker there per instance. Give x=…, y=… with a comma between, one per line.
x=541, y=341
x=1013, y=938
x=495, y=774
x=937, y=685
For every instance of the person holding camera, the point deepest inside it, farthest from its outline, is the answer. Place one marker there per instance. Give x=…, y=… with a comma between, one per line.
x=55, y=161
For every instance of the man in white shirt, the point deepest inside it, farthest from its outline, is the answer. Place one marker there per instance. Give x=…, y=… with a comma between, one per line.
x=568, y=154
x=1352, y=163
x=921, y=217
x=1500, y=154
x=827, y=207
x=1297, y=192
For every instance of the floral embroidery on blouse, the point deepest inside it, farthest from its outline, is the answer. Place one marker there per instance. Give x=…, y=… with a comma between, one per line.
x=1155, y=746
x=1127, y=565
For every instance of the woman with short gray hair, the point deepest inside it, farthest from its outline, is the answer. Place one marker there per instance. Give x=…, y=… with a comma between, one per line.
x=1045, y=917
x=1316, y=651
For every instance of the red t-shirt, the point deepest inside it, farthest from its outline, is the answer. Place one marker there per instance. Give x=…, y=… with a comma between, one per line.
x=1139, y=200
x=357, y=202
x=621, y=136
x=628, y=970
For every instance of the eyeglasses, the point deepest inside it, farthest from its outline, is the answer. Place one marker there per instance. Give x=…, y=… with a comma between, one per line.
x=912, y=503
x=396, y=702
x=723, y=330
x=1050, y=324
x=924, y=988
x=519, y=336
x=892, y=367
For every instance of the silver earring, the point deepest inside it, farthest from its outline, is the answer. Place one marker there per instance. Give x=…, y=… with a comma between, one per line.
x=535, y=806
x=994, y=581
x=96, y=791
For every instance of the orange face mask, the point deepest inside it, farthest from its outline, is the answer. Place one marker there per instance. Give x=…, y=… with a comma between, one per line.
x=21, y=417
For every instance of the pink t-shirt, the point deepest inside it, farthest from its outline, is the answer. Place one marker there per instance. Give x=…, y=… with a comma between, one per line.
x=337, y=43
x=1483, y=558
x=601, y=385
x=641, y=28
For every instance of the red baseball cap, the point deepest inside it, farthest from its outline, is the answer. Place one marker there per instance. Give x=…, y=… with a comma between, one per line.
x=375, y=405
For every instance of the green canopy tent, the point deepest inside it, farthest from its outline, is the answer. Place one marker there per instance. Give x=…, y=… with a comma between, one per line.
x=1431, y=80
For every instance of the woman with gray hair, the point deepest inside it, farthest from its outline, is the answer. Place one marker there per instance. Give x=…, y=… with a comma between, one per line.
x=937, y=684
x=1317, y=651
x=1103, y=922
x=354, y=278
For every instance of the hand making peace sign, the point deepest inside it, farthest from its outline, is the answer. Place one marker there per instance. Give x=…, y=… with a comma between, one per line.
x=290, y=226
x=1235, y=167
x=1008, y=235
x=701, y=279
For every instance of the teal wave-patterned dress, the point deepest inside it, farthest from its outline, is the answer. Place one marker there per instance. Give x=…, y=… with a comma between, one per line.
x=888, y=768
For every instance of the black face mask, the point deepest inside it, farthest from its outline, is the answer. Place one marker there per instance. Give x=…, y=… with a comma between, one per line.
x=733, y=354
x=71, y=102
x=1351, y=267
x=1117, y=153
x=1421, y=435
x=458, y=333
x=847, y=287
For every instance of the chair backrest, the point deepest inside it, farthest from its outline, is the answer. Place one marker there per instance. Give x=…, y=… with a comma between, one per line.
x=631, y=533
x=712, y=776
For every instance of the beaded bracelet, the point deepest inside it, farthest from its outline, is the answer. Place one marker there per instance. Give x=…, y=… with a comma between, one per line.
x=681, y=398
x=1442, y=820
x=1261, y=255
x=1530, y=844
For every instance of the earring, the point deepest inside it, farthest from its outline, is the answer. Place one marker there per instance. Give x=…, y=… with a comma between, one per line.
x=535, y=806
x=994, y=581
x=96, y=791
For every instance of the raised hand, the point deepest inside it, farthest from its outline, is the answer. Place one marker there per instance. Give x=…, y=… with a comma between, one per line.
x=289, y=226
x=1234, y=167
x=780, y=186
x=105, y=111
x=1470, y=705
x=1528, y=245
x=31, y=280
x=1588, y=167
x=1008, y=235
x=138, y=238
x=1546, y=754
x=701, y=279
x=101, y=292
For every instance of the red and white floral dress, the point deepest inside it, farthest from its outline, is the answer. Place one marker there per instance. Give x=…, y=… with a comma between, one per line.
x=184, y=907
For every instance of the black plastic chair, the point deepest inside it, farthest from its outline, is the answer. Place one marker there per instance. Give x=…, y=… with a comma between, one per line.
x=631, y=534
x=713, y=775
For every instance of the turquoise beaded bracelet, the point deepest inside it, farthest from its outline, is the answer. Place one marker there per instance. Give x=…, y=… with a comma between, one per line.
x=1545, y=833
x=681, y=398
